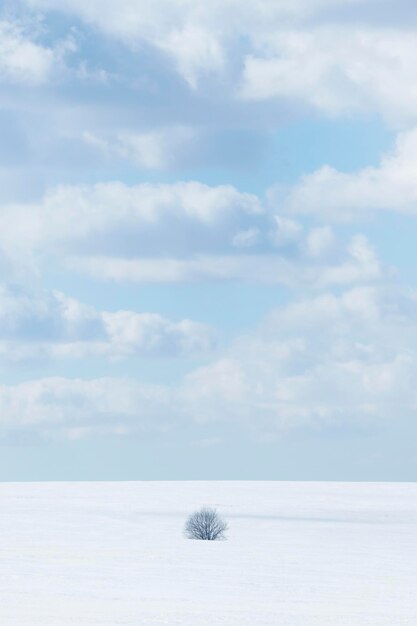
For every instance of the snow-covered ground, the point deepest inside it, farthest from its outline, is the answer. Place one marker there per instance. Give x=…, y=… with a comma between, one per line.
x=325, y=554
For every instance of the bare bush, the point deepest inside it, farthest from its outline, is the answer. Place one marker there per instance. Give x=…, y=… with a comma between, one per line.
x=205, y=524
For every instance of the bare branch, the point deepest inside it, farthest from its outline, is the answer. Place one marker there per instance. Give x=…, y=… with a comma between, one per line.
x=205, y=524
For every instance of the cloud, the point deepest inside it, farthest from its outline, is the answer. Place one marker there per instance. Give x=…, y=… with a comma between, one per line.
x=178, y=29
x=357, y=263
x=334, y=195
x=178, y=233
x=322, y=362
x=153, y=86
x=196, y=51
x=70, y=214
x=165, y=148
x=126, y=60
x=23, y=59
x=76, y=408
x=51, y=325
x=135, y=20
x=337, y=70
x=114, y=218
x=326, y=361
x=303, y=50
x=150, y=333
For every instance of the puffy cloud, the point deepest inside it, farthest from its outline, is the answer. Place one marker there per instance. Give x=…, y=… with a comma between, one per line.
x=155, y=149
x=195, y=50
x=355, y=263
x=324, y=361
x=338, y=70
x=302, y=49
x=117, y=219
x=285, y=50
x=110, y=212
x=23, y=59
x=150, y=333
x=189, y=32
x=176, y=233
x=76, y=408
x=327, y=361
x=246, y=238
x=42, y=325
x=392, y=186
x=320, y=240
x=136, y=20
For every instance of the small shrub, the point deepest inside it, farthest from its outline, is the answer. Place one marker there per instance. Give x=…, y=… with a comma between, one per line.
x=205, y=524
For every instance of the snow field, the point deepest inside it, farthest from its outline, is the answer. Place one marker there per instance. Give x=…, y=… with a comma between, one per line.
x=297, y=554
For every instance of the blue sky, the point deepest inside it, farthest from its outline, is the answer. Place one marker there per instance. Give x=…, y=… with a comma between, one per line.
x=207, y=239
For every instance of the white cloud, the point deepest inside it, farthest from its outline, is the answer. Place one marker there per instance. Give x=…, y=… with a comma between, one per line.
x=114, y=218
x=180, y=232
x=196, y=52
x=321, y=241
x=323, y=361
x=246, y=238
x=362, y=265
x=45, y=325
x=300, y=49
x=337, y=70
x=150, y=333
x=189, y=32
x=135, y=20
x=355, y=263
x=75, y=408
x=285, y=231
x=155, y=149
x=73, y=213
x=23, y=60
x=328, y=361
x=336, y=196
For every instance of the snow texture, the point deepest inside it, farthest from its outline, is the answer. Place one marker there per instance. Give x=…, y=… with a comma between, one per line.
x=297, y=554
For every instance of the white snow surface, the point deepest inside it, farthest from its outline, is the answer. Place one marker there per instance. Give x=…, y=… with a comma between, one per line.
x=297, y=554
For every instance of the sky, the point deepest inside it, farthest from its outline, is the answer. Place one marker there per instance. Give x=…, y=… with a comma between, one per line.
x=208, y=221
